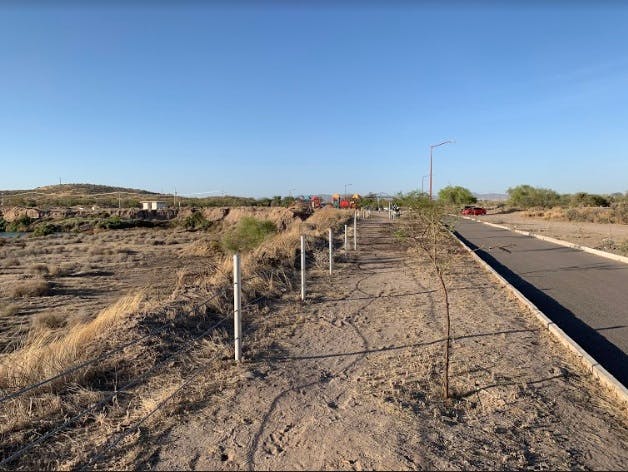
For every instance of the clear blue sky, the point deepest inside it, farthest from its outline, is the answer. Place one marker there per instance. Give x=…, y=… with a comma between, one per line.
x=284, y=97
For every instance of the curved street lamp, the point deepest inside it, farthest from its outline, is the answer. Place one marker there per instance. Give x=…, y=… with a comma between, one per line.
x=432, y=146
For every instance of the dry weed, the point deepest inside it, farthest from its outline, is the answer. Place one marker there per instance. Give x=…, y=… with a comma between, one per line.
x=44, y=355
x=49, y=321
x=31, y=288
x=11, y=262
x=8, y=309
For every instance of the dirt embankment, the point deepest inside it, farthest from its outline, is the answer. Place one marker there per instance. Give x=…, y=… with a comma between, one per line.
x=351, y=380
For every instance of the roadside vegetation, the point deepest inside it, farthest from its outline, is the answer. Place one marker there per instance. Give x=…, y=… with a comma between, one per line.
x=138, y=351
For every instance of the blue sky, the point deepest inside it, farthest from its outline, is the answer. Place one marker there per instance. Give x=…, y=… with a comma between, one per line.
x=288, y=97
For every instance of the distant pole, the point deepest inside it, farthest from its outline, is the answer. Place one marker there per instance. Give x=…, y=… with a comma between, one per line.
x=423, y=180
x=432, y=147
x=237, y=307
x=119, y=201
x=346, y=237
x=331, y=254
x=303, y=267
x=174, y=198
x=355, y=230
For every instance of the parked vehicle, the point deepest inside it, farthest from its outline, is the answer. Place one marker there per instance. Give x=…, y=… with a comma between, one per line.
x=473, y=210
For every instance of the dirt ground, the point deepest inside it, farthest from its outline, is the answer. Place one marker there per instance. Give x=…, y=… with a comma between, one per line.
x=352, y=380
x=86, y=273
x=604, y=236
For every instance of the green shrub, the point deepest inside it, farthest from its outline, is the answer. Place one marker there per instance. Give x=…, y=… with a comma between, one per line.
x=196, y=221
x=44, y=229
x=3, y=225
x=19, y=224
x=114, y=222
x=248, y=234
x=583, y=199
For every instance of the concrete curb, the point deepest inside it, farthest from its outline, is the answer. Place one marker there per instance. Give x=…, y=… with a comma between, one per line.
x=587, y=360
x=597, y=252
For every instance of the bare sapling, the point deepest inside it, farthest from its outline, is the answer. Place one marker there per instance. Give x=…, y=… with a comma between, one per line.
x=426, y=229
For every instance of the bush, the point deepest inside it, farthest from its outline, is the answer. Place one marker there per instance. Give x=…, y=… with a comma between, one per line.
x=19, y=224
x=3, y=225
x=248, y=234
x=583, y=199
x=196, y=221
x=44, y=229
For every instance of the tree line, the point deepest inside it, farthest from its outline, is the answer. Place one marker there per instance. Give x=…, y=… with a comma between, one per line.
x=521, y=196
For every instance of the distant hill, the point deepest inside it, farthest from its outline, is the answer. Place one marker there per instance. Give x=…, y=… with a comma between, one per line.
x=87, y=189
x=83, y=195
x=491, y=196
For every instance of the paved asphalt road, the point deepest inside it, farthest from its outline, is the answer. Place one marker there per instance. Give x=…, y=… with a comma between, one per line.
x=584, y=294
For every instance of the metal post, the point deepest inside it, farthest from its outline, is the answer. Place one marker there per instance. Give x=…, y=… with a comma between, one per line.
x=331, y=253
x=355, y=230
x=303, y=267
x=431, y=147
x=346, y=237
x=237, y=307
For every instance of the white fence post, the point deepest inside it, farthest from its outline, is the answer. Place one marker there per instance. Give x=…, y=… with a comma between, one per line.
x=331, y=252
x=237, y=307
x=303, y=267
x=355, y=231
x=346, y=237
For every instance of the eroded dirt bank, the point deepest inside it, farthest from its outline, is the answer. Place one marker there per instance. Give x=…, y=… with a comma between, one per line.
x=352, y=380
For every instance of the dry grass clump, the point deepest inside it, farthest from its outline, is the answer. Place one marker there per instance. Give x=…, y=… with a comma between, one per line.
x=328, y=218
x=8, y=309
x=31, y=288
x=10, y=262
x=203, y=248
x=61, y=270
x=39, y=269
x=581, y=214
x=49, y=321
x=44, y=355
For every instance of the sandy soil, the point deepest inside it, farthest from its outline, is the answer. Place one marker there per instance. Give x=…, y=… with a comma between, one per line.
x=88, y=272
x=351, y=380
x=604, y=236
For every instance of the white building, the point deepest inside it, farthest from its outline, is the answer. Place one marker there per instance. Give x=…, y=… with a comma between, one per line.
x=153, y=205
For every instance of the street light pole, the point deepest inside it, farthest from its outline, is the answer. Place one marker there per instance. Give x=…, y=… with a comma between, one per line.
x=346, y=185
x=432, y=147
x=423, y=180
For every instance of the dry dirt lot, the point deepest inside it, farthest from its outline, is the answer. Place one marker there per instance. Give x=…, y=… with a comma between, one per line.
x=351, y=380
x=609, y=237
x=84, y=273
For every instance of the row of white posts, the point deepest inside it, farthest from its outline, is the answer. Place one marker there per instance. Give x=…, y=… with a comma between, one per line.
x=237, y=281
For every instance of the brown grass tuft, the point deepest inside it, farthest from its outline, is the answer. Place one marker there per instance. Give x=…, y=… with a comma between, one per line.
x=45, y=355
x=49, y=321
x=31, y=288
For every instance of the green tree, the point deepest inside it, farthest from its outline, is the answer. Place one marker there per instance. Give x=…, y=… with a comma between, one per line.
x=456, y=195
x=526, y=196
